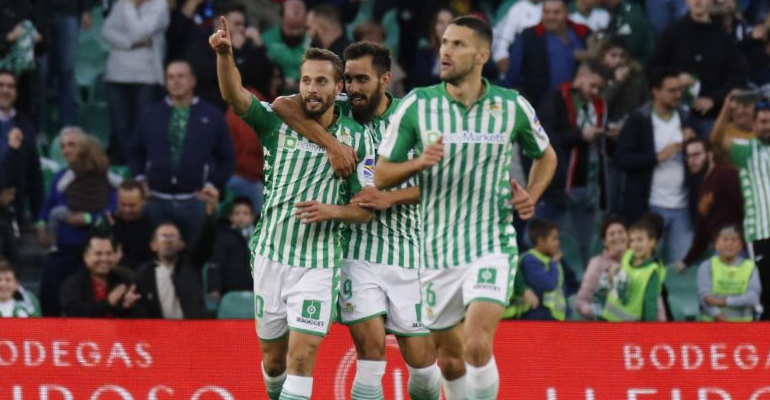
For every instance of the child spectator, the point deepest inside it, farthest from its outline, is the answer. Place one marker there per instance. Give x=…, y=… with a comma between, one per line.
x=593, y=290
x=543, y=273
x=14, y=301
x=728, y=284
x=86, y=186
x=635, y=293
x=229, y=267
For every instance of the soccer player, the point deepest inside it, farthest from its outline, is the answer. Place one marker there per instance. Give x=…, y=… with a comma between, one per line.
x=379, y=275
x=296, y=263
x=463, y=130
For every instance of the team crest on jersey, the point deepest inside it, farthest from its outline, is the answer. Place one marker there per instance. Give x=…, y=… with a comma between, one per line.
x=496, y=110
x=345, y=138
x=349, y=308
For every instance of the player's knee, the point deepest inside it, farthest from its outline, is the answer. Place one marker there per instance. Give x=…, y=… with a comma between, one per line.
x=478, y=350
x=301, y=355
x=372, y=353
x=275, y=364
x=451, y=367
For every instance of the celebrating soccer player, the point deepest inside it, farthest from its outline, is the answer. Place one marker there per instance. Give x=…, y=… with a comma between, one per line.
x=463, y=130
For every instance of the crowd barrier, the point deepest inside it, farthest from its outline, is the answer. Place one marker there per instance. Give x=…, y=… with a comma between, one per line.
x=81, y=359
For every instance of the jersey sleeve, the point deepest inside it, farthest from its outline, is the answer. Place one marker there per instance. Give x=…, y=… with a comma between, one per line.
x=261, y=118
x=402, y=133
x=528, y=130
x=740, y=152
x=364, y=175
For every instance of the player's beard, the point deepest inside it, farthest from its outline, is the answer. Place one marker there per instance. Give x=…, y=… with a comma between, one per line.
x=458, y=72
x=325, y=104
x=366, y=112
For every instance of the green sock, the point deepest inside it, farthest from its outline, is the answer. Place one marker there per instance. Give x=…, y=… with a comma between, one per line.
x=273, y=384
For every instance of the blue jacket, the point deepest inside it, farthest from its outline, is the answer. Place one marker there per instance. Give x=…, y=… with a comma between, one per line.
x=207, y=156
x=541, y=280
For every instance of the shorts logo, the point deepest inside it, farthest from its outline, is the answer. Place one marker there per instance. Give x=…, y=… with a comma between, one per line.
x=311, y=309
x=487, y=276
x=259, y=306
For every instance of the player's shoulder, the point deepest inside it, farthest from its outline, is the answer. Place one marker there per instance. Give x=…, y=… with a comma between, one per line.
x=504, y=92
x=424, y=92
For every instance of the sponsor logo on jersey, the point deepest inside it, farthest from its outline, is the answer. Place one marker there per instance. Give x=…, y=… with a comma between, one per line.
x=476, y=137
x=291, y=143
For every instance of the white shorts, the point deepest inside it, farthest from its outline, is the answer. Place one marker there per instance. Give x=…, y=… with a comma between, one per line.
x=368, y=290
x=293, y=298
x=447, y=292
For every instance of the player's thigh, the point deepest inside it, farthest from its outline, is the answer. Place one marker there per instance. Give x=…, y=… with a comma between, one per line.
x=301, y=352
x=311, y=300
x=442, y=298
x=402, y=286
x=270, y=278
x=361, y=294
x=417, y=351
x=369, y=338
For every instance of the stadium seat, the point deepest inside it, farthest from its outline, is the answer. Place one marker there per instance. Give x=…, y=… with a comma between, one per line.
x=237, y=305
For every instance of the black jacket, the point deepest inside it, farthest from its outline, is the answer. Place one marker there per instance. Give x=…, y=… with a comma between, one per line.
x=187, y=285
x=635, y=155
x=78, y=299
x=24, y=172
x=229, y=264
x=705, y=50
x=134, y=238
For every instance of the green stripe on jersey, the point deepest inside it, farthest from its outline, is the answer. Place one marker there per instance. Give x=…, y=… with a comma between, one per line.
x=753, y=159
x=298, y=170
x=393, y=235
x=465, y=200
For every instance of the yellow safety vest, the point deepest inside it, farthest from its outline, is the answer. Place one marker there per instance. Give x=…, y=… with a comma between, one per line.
x=553, y=300
x=729, y=280
x=629, y=305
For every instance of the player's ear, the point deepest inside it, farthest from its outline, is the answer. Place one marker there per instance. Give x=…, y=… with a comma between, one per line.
x=483, y=55
x=385, y=79
x=339, y=88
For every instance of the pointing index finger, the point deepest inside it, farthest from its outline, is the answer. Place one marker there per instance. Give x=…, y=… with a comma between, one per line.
x=223, y=22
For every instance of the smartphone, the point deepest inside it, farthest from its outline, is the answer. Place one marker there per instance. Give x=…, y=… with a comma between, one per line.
x=748, y=96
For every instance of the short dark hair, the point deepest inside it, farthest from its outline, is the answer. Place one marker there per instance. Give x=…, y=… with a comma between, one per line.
x=477, y=25
x=379, y=53
x=10, y=73
x=608, y=222
x=540, y=229
x=241, y=201
x=224, y=7
x=647, y=226
x=130, y=184
x=98, y=235
x=328, y=12
x=316, y=54
x=5, y=265
x=598, y=68
x=728, y=229
x=179, y=61
x=563, y=2
x=609, y=43
x=162, y=224
x=705, y=143
x=657, y=76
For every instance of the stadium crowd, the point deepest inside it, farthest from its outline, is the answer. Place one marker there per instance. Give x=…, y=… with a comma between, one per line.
x=658, y=111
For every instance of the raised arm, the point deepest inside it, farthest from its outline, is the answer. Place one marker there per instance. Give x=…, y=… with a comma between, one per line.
x=230, y=84
x=388, y=174
x=718, y=138
x=342, y=157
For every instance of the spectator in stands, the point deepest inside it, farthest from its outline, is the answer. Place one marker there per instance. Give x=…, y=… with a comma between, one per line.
x=664, y=13
x=14, y=301
x=18, y=37
x=8, y=243
x=759, y=62
x=752, y=157
x=131, y=226
x=522, y=15
x=183, y=150
x=742, y=32
x=728, y=285
x=589, y=13
x=86, y=186
x=371, y=31
x=60, y=22
x=324, y=27
x=170, y=287
x=229, y=267
x=736, y=118
x=543, y=56
x=575, y=118
x=629, y=23
x=716, y=198
x=248, y=51
x=425, y=69
x=72, y=234
x=649, y=151
x=544, y=274
x=590, y=299
x=287, y=42
x=17, y=141
x=698, y=46
x=135, y=32
x=102, y=289
x=183, y=21
x=627, y=89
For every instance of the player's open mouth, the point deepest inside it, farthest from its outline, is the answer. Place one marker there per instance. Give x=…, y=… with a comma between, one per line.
x=358, y=99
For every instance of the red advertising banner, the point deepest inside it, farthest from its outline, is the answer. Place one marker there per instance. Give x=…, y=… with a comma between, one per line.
x=78, y=359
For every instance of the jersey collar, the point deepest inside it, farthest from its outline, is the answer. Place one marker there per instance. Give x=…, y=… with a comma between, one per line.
x=484, y=96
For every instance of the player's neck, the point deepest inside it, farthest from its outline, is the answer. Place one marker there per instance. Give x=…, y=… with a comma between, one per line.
x=326, y=119
x=383, y=106
x=467, y=90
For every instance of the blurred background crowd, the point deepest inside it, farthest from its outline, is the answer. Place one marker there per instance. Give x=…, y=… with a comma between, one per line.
x=128, y=189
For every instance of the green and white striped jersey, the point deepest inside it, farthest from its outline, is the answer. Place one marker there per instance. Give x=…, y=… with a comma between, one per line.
x=393, y=235
x=753, y=159
x=466, y=210
x=298, y=170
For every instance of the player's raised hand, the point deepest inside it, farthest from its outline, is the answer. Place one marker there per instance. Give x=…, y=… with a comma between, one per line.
x=220, y=40
x=522, y=201
x=432, y=154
